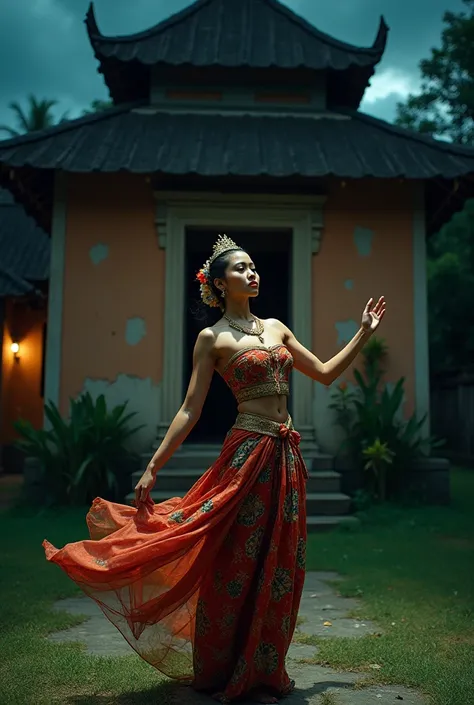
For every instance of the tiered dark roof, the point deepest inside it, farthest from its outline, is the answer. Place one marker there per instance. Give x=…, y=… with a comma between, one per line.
x=257, y=148
x=138, y=139
x=347, y=145
x=12, y=285
x=24, y=250
x=234, y=35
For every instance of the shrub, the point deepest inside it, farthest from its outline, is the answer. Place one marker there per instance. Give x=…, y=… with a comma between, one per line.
x=376, y=437
x=79, y=457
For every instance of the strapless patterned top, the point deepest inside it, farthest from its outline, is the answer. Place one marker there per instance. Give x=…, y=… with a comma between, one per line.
x=256, y=372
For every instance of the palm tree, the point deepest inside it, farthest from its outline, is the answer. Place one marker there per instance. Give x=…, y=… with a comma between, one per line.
x=38, y=116
x=97, y=106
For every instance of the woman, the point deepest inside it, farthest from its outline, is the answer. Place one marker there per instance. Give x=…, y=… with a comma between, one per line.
x=206, y=588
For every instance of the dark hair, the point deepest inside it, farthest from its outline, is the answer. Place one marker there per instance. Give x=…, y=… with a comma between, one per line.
x=201, y=311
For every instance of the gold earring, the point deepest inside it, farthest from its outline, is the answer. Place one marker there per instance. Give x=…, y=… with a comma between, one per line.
x=223, y=294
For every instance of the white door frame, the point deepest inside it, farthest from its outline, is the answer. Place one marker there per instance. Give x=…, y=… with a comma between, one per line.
x=175, y=212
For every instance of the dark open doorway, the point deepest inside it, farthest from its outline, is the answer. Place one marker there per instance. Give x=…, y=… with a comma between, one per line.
x=271, y=252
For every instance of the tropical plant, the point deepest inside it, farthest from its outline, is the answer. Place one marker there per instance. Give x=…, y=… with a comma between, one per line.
x=37, y=116
x=374, y=354
x=378, y=457
x=343, y=406
x=54, y=472
x=98, y=106
x=79, y=457
x=371, y=414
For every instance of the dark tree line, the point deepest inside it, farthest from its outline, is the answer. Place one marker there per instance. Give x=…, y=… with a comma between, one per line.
x=445, y=108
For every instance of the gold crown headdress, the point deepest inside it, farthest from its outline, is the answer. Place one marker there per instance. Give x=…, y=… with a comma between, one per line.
x=222, y=244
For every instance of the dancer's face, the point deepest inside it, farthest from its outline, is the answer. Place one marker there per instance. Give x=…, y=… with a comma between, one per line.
x=241, y=278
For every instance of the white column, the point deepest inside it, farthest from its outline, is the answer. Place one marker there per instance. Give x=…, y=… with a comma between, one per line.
x=306, y=239
x=303, y=216
x=172, y=238
x=420, y=307
x=56, y=291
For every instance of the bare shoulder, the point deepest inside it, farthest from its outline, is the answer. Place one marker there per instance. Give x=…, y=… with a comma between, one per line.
x=278, y=327
x=205, y=342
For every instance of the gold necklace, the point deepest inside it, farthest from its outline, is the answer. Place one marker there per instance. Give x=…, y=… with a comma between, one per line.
x=258, y=330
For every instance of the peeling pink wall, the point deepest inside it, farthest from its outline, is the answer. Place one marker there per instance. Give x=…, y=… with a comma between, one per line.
x=115, y=214
x=386, y=208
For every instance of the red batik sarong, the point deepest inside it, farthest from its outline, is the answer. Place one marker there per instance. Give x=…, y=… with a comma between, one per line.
x=206, y=588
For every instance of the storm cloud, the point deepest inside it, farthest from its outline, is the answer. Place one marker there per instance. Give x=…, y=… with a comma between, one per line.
x=44, y=48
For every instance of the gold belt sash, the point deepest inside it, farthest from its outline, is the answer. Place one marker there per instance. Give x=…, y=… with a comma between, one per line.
x=261, y=424
x=268, y=427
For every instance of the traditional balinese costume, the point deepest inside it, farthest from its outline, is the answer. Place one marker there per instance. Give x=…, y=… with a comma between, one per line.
x=207, y=587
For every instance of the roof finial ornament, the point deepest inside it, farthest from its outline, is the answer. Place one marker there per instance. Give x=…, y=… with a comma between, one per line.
x=382, y=35
x=91, y=22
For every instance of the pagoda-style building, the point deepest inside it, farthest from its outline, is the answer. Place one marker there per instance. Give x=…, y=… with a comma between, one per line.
x=237, y=117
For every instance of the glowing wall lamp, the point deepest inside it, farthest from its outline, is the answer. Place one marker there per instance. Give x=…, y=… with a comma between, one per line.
x=15, y=348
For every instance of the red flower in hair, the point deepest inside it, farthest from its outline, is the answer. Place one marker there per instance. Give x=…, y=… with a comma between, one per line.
x=201, y=277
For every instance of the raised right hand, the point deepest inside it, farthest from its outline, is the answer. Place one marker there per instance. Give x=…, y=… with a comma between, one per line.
x=144, y=486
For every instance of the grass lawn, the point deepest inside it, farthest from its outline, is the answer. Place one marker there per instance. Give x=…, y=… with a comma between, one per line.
x=413, y=568
x=34, y=671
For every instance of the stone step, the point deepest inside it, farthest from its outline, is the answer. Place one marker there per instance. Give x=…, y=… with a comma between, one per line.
x=192, y=446
x=317, y=503
x=204, y=456
x=185, y=459
x=323, y=481
x=327, y=503
x=320, y=523
x=176, y=480
x=179, y=480
x=321, y=462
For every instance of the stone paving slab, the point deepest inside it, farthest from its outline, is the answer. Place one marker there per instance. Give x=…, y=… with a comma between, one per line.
x=320, y=603
x=99, y=635
x=314, y=683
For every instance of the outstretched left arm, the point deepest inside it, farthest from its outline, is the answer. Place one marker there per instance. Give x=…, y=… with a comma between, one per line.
x=326, y=372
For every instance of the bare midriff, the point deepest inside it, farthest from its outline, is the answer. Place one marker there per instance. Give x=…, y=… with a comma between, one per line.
x=274, y=407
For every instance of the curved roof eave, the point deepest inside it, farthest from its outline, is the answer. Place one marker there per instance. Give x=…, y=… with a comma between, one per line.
x=374, y=53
